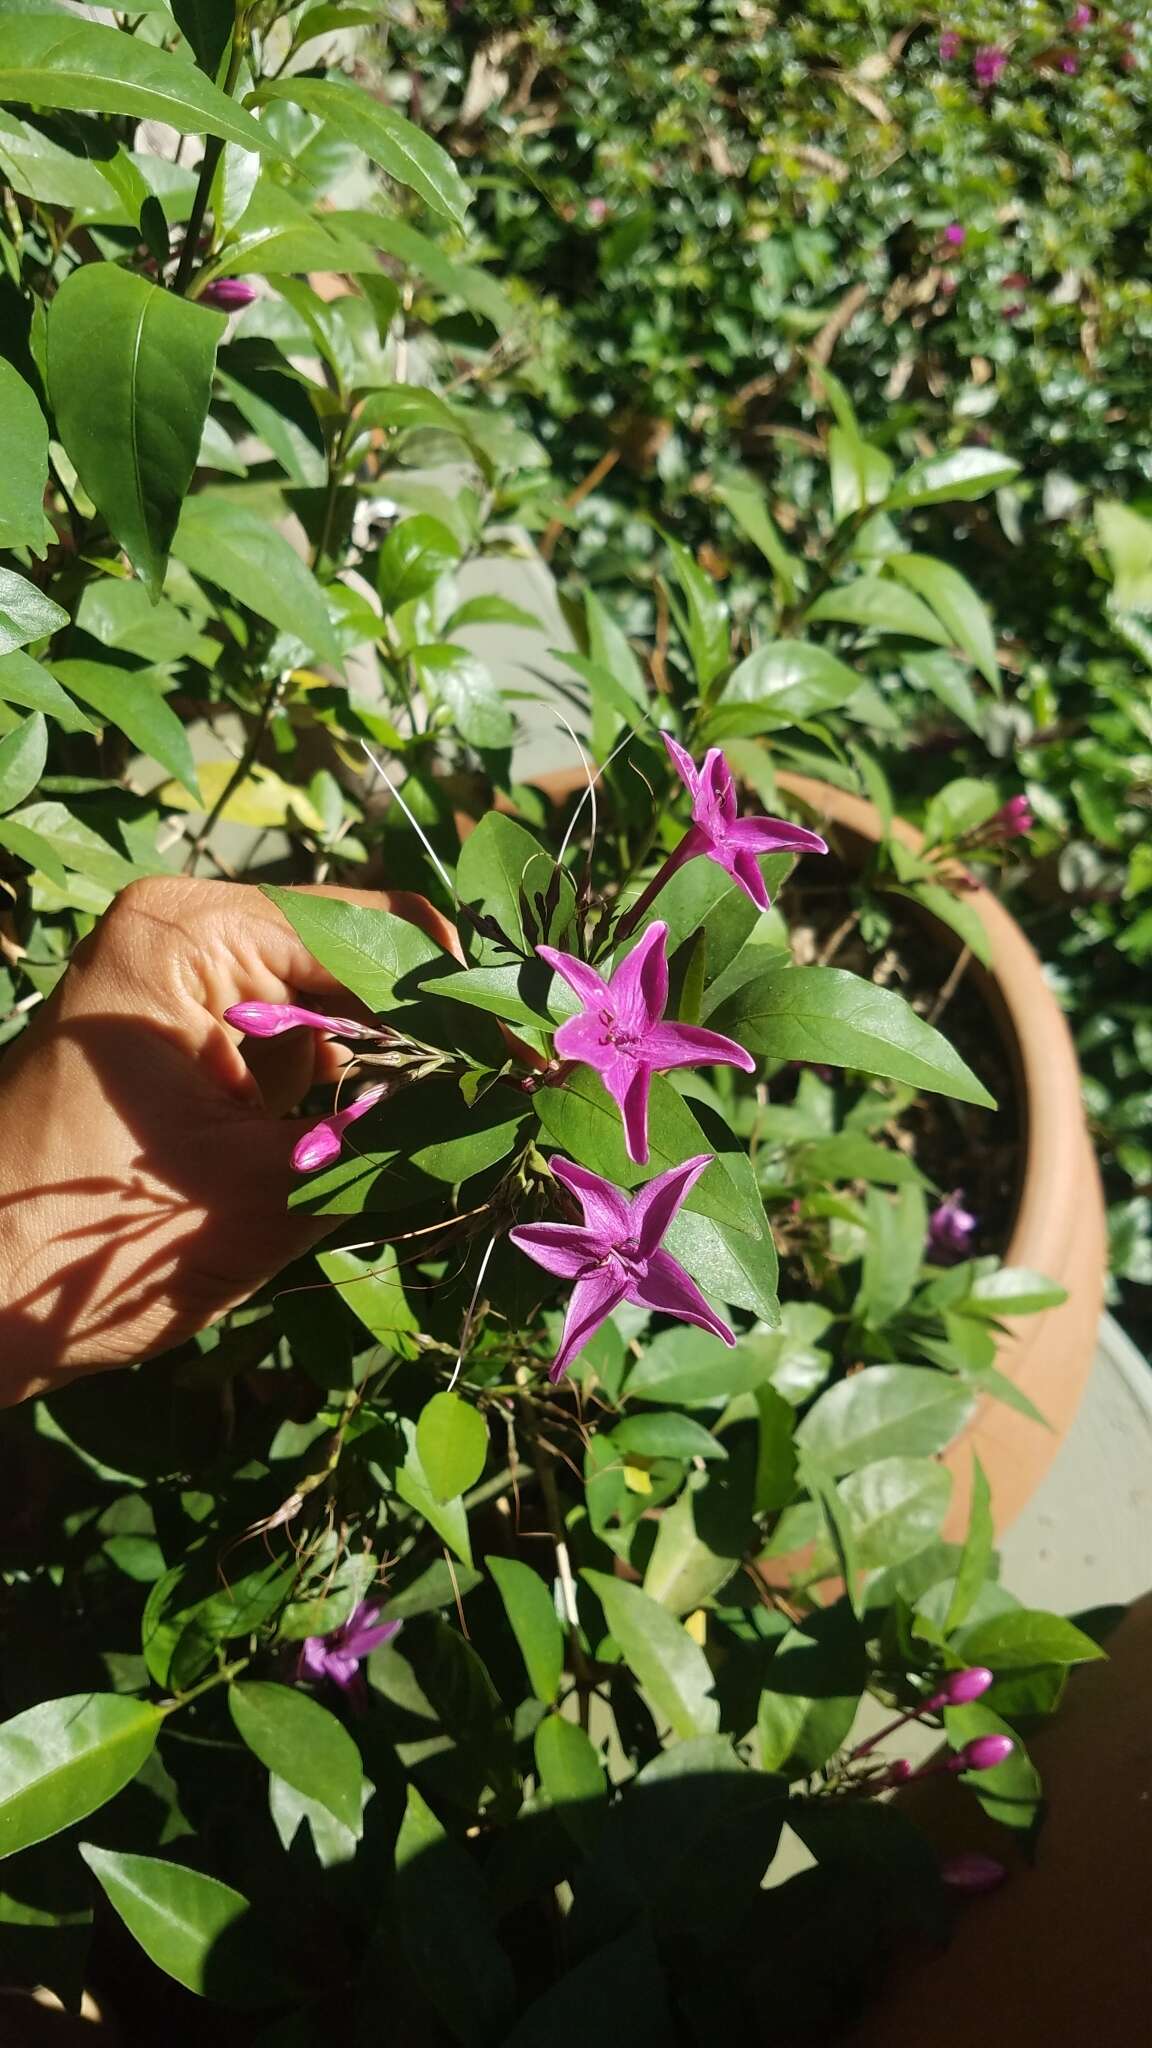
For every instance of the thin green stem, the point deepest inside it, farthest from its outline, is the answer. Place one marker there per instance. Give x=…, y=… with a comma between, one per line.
x=220, y=1677
x=213, y=151
x=255, y=740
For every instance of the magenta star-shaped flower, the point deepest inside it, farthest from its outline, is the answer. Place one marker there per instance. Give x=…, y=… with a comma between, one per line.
x=622, y=1032
x=734, y=843
x=338, y=1655
x=615, y=1254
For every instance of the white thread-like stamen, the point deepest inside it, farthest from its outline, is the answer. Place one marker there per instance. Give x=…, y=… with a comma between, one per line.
x=421, y=835
x=466, y=1332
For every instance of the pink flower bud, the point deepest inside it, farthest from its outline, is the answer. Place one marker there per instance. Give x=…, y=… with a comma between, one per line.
x=228, y=294
x=271, y=1020
x=962, y=1686
x=321, y=1145
x=899, y=1772
x=971, y=1872
x=955, y=235
x=983, y=1753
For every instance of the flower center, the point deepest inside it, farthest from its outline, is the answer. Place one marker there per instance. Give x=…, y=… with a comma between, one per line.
x=628, y=1255
x=623, y=1041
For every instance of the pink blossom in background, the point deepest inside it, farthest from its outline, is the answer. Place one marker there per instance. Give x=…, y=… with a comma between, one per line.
x=989, y=63
x=1082, y=17
x=955, y=235
x=1070, y=63
x=622, y=1034
x=228, y=294
x=615, y=1255
x=338, y=1655
x=951, y=1230
x=950, y=46
x=734, y=843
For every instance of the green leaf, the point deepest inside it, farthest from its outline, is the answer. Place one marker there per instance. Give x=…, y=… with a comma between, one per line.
x=243, y=554
x=76, y=844
x=896, y=1228
x=956, y=605
x=850, y=1155
x=465, y=686
x=23, y=681
x=672, y=1669
x=1024, y=1636
x=749, y=508
x=499, y=862
x=571, y=1774
x=737, y=1266
x=131, y=700
x=975, y=1564
x=207, y=27
x=775, y=1452
x=706, y=620
x=446, y=1933
x=498, y=991
x=666, y=1435
x=1126, y=538
x=23, y=753
x=690, y=1367
x=584, y=1122
x=368, y=951
x=25, y=613
x=684, y=1572
x=1010, y=1793
x=193, y=1927
x=813, y=1691
x=878, y=603
x=783, y=683
x=24, y=477
x=826, y=1014
x=860, y=473
x=1010, y=1291
x=136, y=451
x=465, y=281
x=401, y=149
x=303, y=1743
x=452, y=1440
x=448, y=1518
x=885, y=1411
x=370, y=1284
x=415, y=554
x=53, y=60
x=532, y=1615
x=962, y=474
x=895, y=1507
x=61, y=1760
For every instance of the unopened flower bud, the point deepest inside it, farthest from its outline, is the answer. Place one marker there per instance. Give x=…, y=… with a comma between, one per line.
x=270, y=1020
x=228, y=294
x=321, y=1145
x=960, y=1687
x=983, y=1753
x=972, y=1872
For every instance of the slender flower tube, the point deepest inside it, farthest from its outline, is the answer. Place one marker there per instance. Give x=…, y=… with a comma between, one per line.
x=321, y=1145
x=228, y=294
x=270, y=1020
x=958, y=1689
x=615, y=1255
x=622, y=1033
x=338, y=1655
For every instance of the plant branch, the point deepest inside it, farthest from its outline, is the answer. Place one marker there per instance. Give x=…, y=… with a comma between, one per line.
x=213, y=151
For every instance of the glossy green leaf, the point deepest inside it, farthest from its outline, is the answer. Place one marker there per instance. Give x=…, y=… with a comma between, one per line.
x=449, y=1518
x=207, y=26
x=895, y=1507
x=684, y=1572
x=672, y=1669
x=499, y=862
x=775, y=1452
x=402, y=150
x=782, y=683
x=241, y=552
x=25, y=682
x=531, y=1612
x=690, y=1367
x=135, y=452
x=572, y=1776
x=303, y=1743
x=131, y=700
x=885, y=1411
x=1010, y=1793
x=666, y=1435
x=737, y=1266
x=193, y=1927
x=1126, y=537
x=976, y=1558
x=54, y=60
x=467, y=689
x=584, y=1122
x=961, y=474
x=415, y=554
x=705, y=616
x=878, y=603
x=23, y=753
x=812, y=1693
x=61, y=1760
x=24, y=475
x=963, y=615
x=370, y=1284
x=896, y=1226
x=447, y=1933
x=368, y=951
x=25, y=613
x=452, y=1440
x=749, y=508
x=826, y=1014
x=956, y=912
x=1010, y=1291
x=1023, y=1636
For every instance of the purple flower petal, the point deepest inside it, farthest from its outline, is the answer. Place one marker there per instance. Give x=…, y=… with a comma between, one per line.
x=271, y=1020
x=561, y=1248
x=690, y=1045
x=655, y=1205
x=639, y=987
x=606, y=1210
x=633, y=1101
x=581, y=978
x=590, y=1303
x=667, y=1287
x=683, y=763
x=773, y=835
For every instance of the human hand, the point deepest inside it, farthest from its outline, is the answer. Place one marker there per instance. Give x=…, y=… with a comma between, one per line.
x=144, y=1151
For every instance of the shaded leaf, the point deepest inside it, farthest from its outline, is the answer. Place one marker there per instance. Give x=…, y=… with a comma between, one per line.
x=61, y=1760
x=531, y=1612
x=303, y=1743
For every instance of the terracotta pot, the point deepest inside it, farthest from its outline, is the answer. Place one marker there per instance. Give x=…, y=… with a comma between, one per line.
x=1058, y=1227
